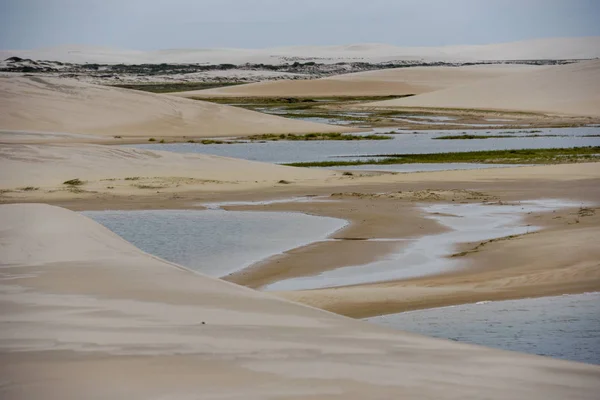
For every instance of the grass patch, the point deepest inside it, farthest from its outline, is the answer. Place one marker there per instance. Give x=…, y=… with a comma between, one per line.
x=525, y=156
x=306, y=101
x=132, y=178
x=74, y=182
x=211, y=141
x=152, y=139
x=29, y=188
x=150, y=186
x=176, y=86
x=316, y=136
x=469, y=137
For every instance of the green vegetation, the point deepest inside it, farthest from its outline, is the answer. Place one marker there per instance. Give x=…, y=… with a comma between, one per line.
x=74, y=182
x=526, y=156
x=176, y=86
x=132, y=178
x=152, y=139
x=303, y=101
x=316, y=136
x=210, y=141
x=467, y=137
x=29, y=188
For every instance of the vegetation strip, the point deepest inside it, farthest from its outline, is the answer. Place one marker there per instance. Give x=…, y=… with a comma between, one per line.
x=524, y=156
x=317, y=136
x=171, y=87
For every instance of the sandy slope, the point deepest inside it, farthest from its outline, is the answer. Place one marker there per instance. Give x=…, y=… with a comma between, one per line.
x=565, y=89
x=50, y=165
x=551, y=48
x=86, y=315
x=62, y=105
x=397, y=81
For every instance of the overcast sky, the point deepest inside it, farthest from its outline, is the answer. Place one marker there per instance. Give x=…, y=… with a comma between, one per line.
x=162, y=24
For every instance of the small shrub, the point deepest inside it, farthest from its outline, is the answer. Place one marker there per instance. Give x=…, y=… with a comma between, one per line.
x=74, y=182
x=132, y=178
x=152, y=139
x=348, y=173
x=284, y=182
x=29, y=188
x=118, y=137
x=191, y=141
x=162, y=141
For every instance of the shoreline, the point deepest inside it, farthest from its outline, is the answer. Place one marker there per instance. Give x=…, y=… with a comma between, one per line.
x=576, y=182
x=170, y=331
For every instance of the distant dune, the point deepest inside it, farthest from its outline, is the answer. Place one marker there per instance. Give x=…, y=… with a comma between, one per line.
x=572, y=89
x=67, y=106
x=397, y=81
x=553, y=48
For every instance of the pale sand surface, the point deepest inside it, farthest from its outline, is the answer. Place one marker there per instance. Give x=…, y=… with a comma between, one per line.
x=105, y=169
x=572, y=89
x=397, y=81
x=87, y=315
x=63, y=105
x=535, y=49
x=48, y=166
x=375, y=209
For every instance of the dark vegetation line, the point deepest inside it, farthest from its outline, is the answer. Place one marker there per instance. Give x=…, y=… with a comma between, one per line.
x=316, y=136
x=175, y=86
x=525, y=156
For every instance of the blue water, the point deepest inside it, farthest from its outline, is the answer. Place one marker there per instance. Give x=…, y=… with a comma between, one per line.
x=406, y=143
x=566, y=327
x=215, y=242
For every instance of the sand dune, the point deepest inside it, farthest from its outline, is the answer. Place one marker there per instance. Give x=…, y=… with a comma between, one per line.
x=62, y=105
x=85, y=312
x=51, y=165
x=551, y=48
x=565, y=89
x=397, y=81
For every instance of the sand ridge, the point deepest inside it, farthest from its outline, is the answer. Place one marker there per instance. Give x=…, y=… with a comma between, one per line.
x=572, y=89
x=387, y=82
x=51, y=165
x=534, y=49
x=86, y=304
x=67, y=106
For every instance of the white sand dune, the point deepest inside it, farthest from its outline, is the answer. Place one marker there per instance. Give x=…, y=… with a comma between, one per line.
x=68, y=106
x=84, y=314
x=50, y=165
x=551, y=48
x=563, y=89
x=388, y=82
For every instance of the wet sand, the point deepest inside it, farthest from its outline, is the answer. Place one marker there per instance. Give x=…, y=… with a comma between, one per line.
x=539, y=264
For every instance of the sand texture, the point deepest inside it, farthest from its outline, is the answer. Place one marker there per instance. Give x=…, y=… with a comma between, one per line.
x=87, y=315
x=51, y=165
x=572, y=89
x=388, y=82
x=67, y=106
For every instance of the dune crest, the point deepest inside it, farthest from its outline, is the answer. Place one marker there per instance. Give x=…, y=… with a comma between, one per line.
x=535, y=49
x=386, y=82
x=68, y=106
x=86, y=312
x=572, y=89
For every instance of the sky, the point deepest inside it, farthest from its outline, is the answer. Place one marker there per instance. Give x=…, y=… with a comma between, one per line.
x=168, y=24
